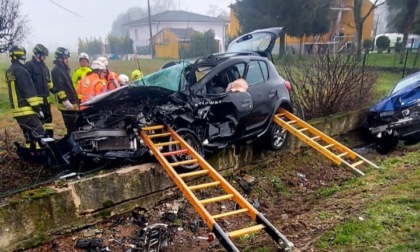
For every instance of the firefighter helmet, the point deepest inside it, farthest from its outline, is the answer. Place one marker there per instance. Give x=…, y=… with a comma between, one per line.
x=40, y=49
x=136, y=75
x=83, y=55
x=17, y=52
x=97, y=65
x=62, y=53
x=103, y=60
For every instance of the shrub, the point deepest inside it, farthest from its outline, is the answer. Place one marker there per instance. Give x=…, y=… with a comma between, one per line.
x=382, y=43
x=367, y=44
x=329, y=84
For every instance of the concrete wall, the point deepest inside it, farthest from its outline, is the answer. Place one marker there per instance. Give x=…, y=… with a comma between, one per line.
x=33, y=216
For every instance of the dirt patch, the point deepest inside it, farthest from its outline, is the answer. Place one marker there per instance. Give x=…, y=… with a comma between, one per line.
x=296, y=193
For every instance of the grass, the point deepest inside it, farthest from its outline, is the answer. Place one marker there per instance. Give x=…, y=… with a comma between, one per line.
x=391, y=216
x=391, y=60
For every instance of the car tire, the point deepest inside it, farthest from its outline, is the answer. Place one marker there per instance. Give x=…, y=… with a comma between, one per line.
x=384, y=146
x=193, y=140
x=276, y=137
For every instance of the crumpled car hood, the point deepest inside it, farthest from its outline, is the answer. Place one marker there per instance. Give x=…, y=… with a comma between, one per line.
x=407, y=96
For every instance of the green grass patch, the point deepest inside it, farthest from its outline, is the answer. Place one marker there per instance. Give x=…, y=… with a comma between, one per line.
x=391, y=217
x=391, y=60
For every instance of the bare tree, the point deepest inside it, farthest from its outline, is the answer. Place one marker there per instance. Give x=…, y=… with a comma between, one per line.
x=215, y=11
x=162, y=5
x=359, y=20
x=12, y=24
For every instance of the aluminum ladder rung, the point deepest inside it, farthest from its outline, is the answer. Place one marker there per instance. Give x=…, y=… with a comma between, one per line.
x=357, y=163
x=328, y=146
x=185, y=162
x=166, y=143
x=222, y=215
x=303, y=129
x=315, y=138
x=173, y=153
x=194, y=173
x=159, y=135
x=156, y=127
x=244, y=231
x=214, y=199
x=342, y=154
x=202, y=186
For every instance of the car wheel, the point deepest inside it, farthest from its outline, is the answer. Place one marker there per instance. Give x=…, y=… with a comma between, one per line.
x=277, y=137
x=384, y=146
x=192, y=139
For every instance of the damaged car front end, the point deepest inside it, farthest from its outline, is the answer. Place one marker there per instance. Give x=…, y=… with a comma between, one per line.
x=397, y=116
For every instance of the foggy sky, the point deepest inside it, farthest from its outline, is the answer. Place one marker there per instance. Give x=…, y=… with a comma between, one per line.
x=53, y=26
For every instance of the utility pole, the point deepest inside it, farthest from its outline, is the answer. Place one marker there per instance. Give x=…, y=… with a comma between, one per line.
x=151, y=44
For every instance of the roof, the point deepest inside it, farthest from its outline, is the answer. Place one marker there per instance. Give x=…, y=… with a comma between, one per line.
x=181, y=34
x=177, y=16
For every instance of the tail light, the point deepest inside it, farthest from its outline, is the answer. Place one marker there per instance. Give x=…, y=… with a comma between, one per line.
x=288, y=85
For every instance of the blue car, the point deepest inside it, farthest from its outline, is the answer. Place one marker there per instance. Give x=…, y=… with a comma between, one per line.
x=397, y=116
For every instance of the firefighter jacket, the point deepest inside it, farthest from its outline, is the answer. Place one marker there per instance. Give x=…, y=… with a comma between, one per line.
x=78, y=74
x=63, y=87
x=41, y=78
x=112, y=80
x=91, y=85
x=22, y=93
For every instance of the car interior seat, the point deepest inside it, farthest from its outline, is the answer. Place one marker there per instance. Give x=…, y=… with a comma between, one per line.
x=219, y=83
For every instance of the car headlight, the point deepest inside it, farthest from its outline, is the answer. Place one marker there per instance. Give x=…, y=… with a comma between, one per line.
x=405, y=112
x=386, y=113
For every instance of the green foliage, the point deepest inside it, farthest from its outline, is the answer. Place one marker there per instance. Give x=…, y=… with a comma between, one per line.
x=301, y=17
x=120, y=45
x=278, y=185
x=92, y=46
x=383, y=42
x=367, y=44
x=203, y=44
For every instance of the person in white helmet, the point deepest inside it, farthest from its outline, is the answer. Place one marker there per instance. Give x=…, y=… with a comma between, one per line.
x=93, y=83
x=82, y=70
x=111, y=77
x=124, y=80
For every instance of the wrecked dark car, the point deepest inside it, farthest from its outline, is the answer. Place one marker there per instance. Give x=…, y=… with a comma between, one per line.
x=397, y=116
x=201, y=100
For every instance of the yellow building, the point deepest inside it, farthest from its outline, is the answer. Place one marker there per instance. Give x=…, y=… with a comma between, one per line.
x=172, y=42
x=342, y=24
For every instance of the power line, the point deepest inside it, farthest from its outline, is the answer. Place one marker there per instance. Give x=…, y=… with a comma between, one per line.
x=62, y=7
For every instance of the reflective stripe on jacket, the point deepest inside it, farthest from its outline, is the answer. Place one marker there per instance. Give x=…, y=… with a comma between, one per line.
x=41, y=78
x=22, y=93
x=63, y=86
x=78, y=74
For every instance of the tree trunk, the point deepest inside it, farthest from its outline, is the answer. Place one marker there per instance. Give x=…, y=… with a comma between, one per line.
x=358, y=20
x=408, y=24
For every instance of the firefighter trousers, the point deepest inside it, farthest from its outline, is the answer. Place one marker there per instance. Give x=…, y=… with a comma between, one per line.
x=31, y=127
x=69, y=118
x=47, y=121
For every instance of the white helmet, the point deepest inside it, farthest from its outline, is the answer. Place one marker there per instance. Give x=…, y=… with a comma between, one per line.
x=83, y=55
x=123, y=79
x=103, y=60
x=97, y=65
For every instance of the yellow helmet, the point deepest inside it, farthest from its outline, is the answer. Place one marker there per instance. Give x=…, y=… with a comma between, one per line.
x=136, y=75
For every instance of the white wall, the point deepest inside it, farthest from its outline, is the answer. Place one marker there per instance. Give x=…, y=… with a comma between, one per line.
x=143, y=34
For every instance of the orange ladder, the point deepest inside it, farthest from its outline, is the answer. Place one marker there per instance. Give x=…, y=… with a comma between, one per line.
x=155, y=137
x=327, y=146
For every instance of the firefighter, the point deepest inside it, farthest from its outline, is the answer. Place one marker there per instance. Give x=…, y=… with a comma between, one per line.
x=82, y=70
x=24, y=100
x=64, y=89
x=111, y=77
x=41, y=78
x=93, y=83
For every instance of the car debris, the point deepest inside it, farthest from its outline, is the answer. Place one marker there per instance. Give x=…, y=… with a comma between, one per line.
x=92, y=245
x=190, y=97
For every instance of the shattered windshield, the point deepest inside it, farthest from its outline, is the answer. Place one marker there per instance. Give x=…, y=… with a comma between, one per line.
x=252, y=42
x=168, y=78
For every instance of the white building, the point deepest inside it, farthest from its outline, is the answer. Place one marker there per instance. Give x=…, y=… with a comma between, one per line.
x=140, y=34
